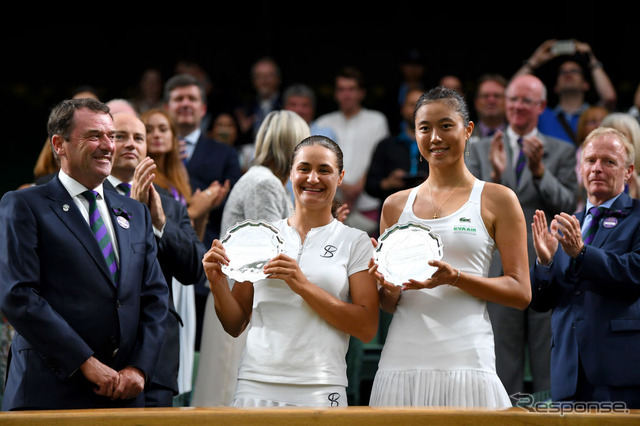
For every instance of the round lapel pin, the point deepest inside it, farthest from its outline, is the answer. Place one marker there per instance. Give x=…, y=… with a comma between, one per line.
x=124, y=223
x=610, y=222
x=65, y=207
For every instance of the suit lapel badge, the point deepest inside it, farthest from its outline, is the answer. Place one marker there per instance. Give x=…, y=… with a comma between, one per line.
x=612, y=216
x=122, y=217
x=65, y=207
x=124, y=223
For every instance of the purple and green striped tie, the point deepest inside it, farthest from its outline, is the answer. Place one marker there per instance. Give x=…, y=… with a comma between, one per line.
x=100, y=232
x=520, y=163
x=590, y=231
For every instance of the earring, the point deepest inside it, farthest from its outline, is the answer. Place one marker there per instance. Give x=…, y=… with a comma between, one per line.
x=466, y=148
x=421, y=158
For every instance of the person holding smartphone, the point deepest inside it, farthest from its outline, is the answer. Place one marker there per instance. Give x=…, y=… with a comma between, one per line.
x=578, y=71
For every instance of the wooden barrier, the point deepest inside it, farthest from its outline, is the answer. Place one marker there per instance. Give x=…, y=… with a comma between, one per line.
x=368, y=416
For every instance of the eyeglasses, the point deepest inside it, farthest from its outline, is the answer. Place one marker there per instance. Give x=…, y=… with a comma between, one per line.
x=490, y=95
x=525, y=101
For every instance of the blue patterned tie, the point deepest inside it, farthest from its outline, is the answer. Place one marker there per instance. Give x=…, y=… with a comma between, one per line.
x=520, y=163
x=125, y=188
x=100, y=232
x=590, y=230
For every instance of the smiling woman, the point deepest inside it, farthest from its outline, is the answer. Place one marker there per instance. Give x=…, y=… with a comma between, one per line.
x=439, y=350
x=316, y=174
x=317, y=293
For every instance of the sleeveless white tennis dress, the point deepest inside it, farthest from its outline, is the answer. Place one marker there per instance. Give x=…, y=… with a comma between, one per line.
x=439, y=349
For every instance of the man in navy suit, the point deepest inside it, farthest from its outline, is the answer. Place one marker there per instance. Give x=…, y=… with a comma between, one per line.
x=208, y=161
x=588, y=273
x=86, y=336
x=180, y=251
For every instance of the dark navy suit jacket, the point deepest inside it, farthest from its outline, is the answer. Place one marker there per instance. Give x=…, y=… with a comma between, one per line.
x=57, y=293
x=210, y=161
x=596, y=305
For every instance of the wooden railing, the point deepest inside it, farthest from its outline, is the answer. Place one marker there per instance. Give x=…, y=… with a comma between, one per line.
x=367, y=416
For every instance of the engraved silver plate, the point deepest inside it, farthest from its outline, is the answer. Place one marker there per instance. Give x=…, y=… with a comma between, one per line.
x=404, y=251
x=250, y=245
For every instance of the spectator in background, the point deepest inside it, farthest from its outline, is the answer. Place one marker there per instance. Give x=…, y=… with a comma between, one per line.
x=627, y=124
x=358, y=131
x=180, y=251
x=571, y=86
x=84, y=91
x=118, y=105
x=149, y=91
x=208, y=161
x=396, y=163
x=225, y=129
x=266, y=79
x=171, y=178
x=589, y=120
x=540, y=170
x=412, y=67
x=489, y=106
x=195, y=69
x=301, y=99
x=452, y=82
x=635, y=108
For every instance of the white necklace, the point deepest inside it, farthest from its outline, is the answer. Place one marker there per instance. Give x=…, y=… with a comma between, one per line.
x=433, y=205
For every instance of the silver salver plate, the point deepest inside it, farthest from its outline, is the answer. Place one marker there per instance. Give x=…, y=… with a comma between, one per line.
x=250, y=245
x=404, y=251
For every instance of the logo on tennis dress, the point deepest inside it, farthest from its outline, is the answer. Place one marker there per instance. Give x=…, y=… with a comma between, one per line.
x=329, y=250
x=465, y=227
x=333, y=397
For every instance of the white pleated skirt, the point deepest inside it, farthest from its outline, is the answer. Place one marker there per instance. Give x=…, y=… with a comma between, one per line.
x=439, y=388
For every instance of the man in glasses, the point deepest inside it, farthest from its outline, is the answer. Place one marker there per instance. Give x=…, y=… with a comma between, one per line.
x=540, y=170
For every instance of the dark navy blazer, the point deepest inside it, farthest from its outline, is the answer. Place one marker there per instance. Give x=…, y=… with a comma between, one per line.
x=57, y=293
x=596, y=305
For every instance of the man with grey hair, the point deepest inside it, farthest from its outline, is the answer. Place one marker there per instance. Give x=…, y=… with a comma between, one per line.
x=541, y=171
x=587, y=273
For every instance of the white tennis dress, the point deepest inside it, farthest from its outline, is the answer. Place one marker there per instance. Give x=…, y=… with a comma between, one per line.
x=439, y=349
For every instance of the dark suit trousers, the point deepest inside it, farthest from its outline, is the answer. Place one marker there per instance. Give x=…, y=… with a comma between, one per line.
x=588, y=392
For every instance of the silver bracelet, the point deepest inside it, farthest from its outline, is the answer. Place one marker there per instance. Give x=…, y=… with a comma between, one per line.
x=457, y=278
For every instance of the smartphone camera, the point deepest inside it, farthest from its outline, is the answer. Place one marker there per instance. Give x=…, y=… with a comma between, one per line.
x=564, y=47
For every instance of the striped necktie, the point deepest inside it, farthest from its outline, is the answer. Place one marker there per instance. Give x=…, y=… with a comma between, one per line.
x=520, y=162
x=589, y=232
x=100, y=232
x=125, y=188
